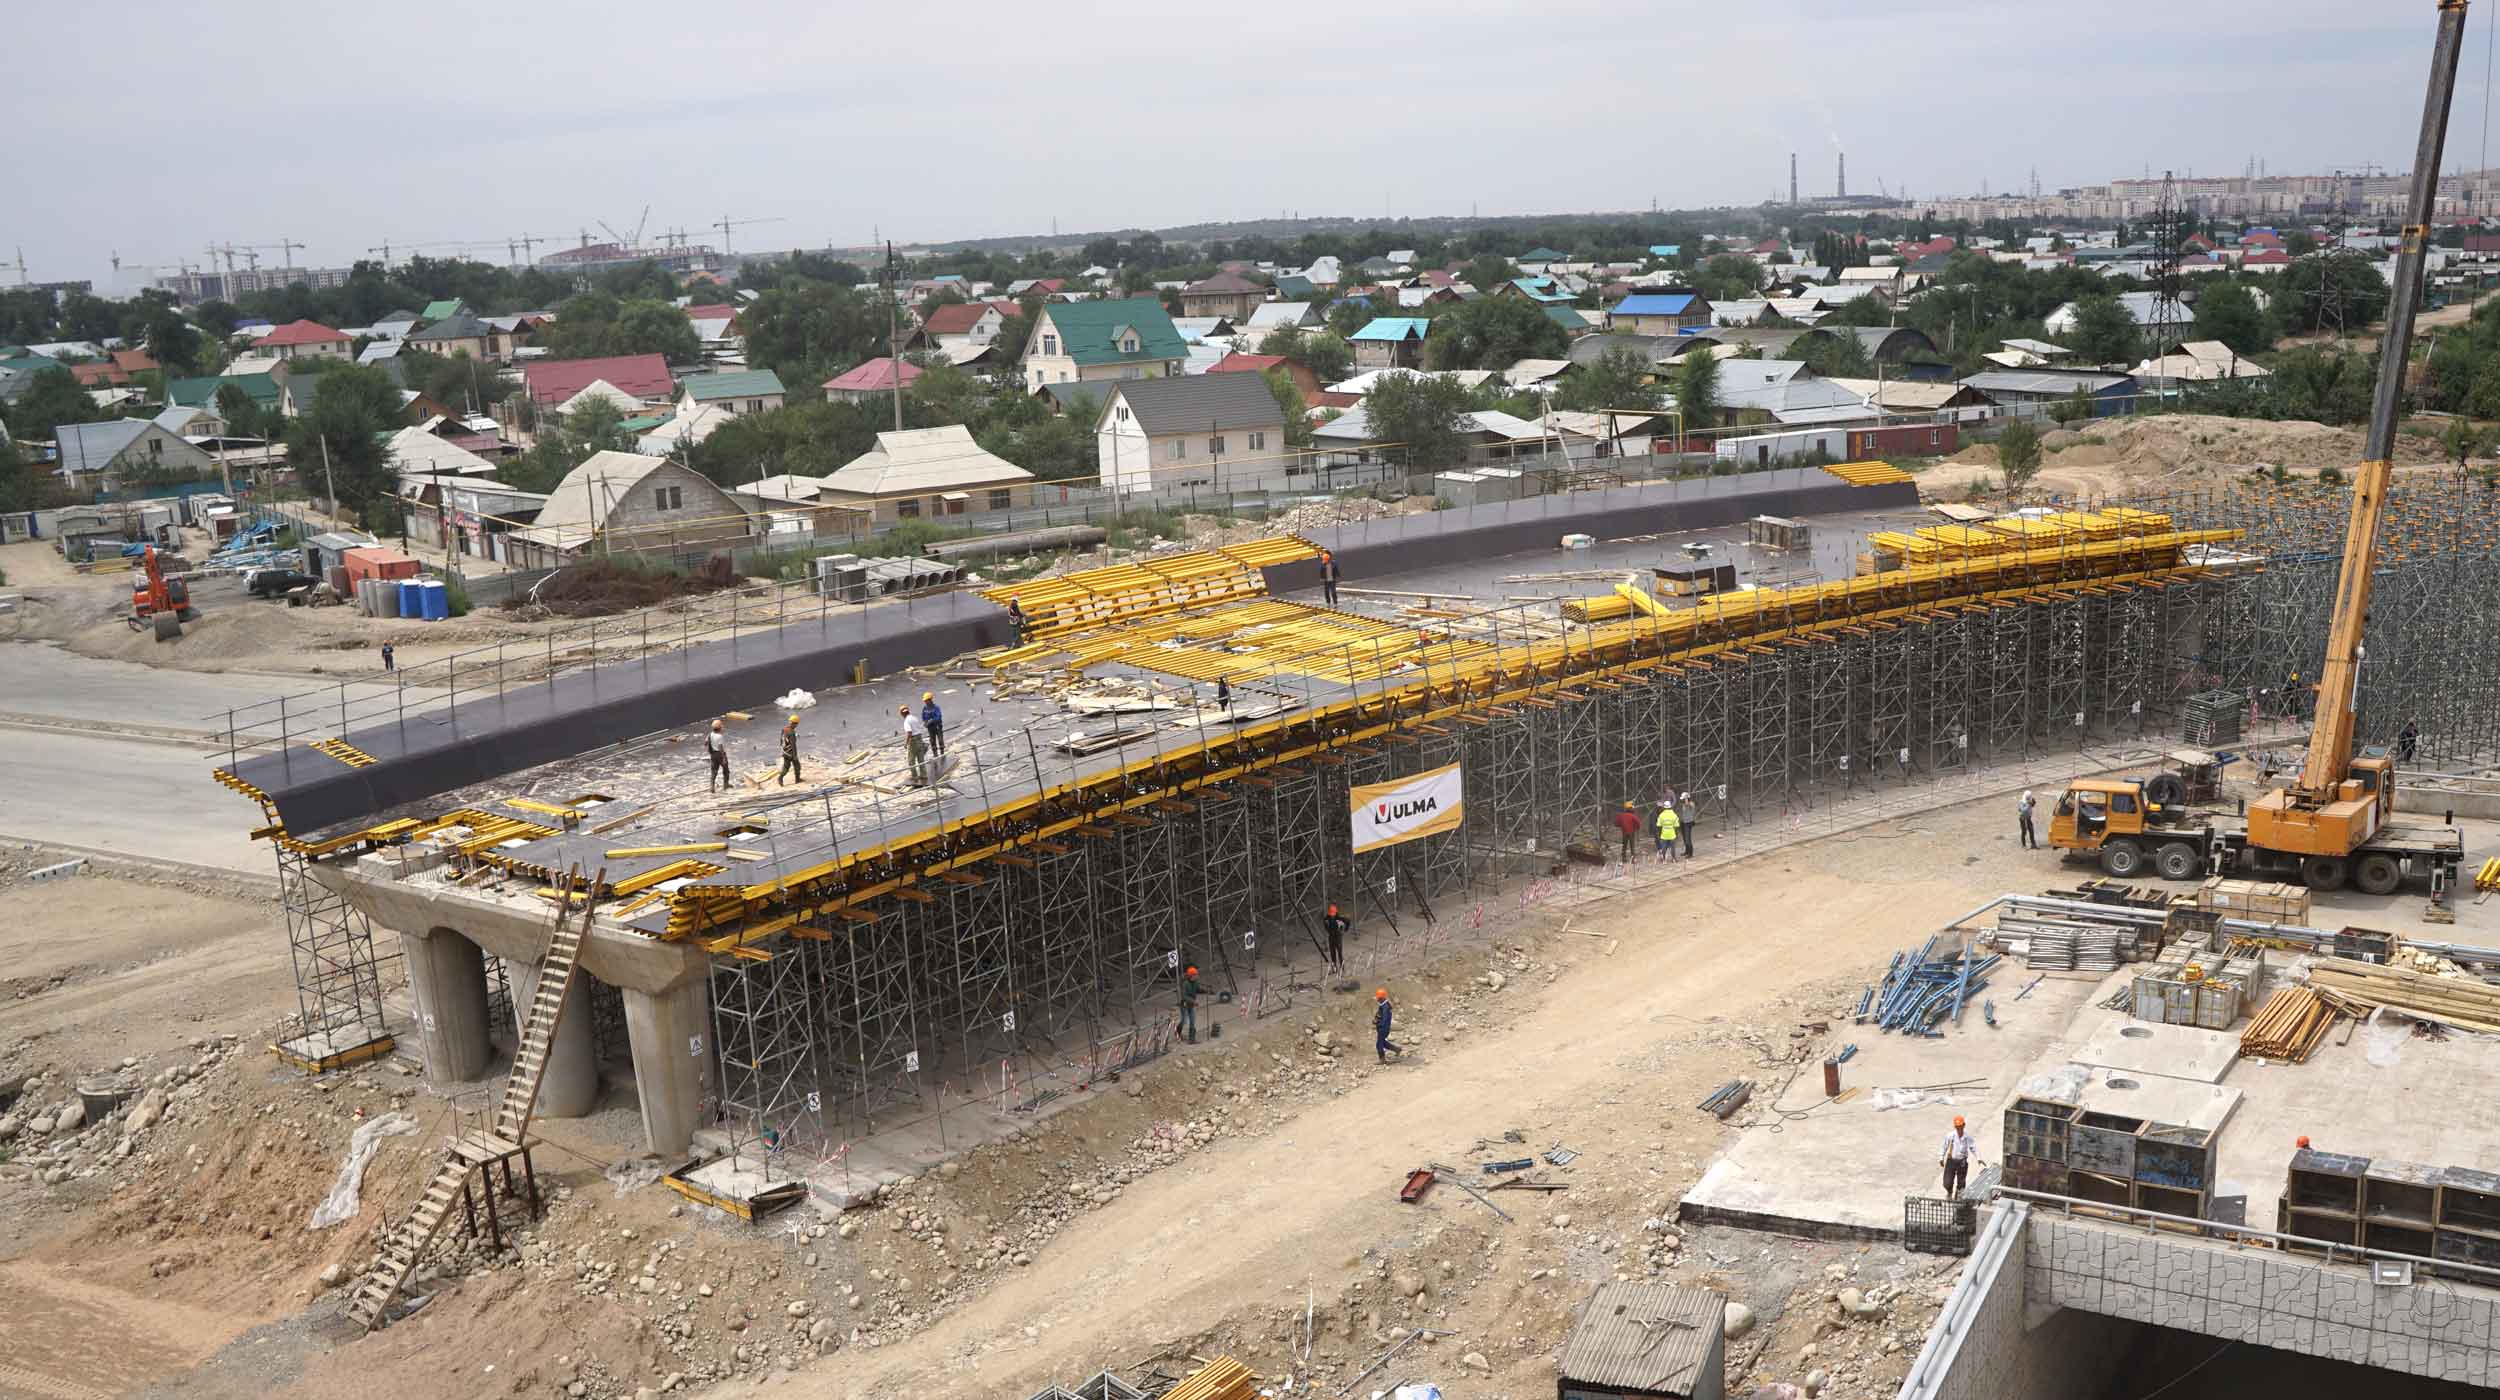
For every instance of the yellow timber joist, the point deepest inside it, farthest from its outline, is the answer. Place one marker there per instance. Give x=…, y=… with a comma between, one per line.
x=727, y=916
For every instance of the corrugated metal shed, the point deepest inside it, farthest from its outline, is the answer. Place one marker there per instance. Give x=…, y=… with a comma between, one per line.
x=1648, y=1338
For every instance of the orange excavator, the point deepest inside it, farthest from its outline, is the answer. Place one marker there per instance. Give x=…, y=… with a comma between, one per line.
x=157, y=602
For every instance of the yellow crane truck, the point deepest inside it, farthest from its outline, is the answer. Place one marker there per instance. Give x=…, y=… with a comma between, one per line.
x=2334, y=822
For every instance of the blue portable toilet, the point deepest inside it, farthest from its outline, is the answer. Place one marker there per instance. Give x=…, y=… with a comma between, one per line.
x=411, y=601
x=437, y=600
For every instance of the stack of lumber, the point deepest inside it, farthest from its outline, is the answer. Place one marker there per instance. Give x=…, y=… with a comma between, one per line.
x=2453, y=1001
x=2288, y=1026
x=1220, y=1379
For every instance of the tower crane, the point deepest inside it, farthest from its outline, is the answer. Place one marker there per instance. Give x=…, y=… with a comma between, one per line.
x=727, y=223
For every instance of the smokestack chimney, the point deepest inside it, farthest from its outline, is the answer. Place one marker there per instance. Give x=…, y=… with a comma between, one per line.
x=1792, y=178
x=1844, y=174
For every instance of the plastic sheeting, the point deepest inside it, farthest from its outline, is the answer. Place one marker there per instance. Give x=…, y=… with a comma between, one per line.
x=346, y=1193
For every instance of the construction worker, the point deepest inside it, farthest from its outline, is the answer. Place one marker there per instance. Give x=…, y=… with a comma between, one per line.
x=916, y=740
x=1959, y=1151
x=1328, y=577
x=1668, y=825
x=1336, y=925
x=390, y=658
x=1628, y=821
x=718, y=743
x=2022, y=821
x=2408, y=741
x=1684, y=822
x=1015, y=619
x=789, y=752
x=1383, y=1046
x=1223, y=695
x=1189, y=1007
x=935, y=720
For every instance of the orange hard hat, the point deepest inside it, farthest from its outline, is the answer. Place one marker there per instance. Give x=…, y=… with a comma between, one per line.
x=1332, y=908
x=2302, y=1141
x=1957, y=1120
x=1193, y=972
x=1380, y=994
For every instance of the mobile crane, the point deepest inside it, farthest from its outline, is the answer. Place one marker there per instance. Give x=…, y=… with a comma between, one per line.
x=2333, y=822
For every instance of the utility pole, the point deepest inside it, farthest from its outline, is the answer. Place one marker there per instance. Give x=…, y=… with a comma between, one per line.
x=329, y=481
x=893, y=330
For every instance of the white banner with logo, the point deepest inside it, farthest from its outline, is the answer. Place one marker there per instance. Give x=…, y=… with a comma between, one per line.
x=1388, y=813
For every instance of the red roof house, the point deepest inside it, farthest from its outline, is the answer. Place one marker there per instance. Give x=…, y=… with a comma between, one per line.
x=98, y=374
x=133, y=361
x=304, y=338
x=646, y=377
x=956, y=318
x=1242, y=362
x=870, y=379
x=2267, y=257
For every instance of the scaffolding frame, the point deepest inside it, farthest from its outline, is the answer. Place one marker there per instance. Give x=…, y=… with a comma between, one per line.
x=338, y=977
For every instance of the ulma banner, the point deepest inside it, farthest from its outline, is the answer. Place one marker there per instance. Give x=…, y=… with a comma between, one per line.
x=1388, y=813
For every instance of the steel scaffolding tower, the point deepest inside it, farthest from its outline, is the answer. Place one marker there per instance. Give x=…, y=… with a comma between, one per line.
x=338, y=981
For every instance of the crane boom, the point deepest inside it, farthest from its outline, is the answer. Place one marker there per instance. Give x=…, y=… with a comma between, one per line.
x=2330, y=736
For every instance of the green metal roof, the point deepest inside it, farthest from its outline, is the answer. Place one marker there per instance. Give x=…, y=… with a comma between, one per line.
x=441, y=310
x=1394, y=328
x=202, y=392
x=645, y=423
x=732, y=384
x=1089, y=331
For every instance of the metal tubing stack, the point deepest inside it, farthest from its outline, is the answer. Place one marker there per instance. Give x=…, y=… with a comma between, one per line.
x=1920, y=990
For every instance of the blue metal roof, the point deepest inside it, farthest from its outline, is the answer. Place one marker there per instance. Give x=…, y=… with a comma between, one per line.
x=1655, y=304
x=1665, y=250
x=1394, y=328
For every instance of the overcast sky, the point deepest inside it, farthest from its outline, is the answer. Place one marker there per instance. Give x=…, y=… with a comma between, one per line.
x=154, y=129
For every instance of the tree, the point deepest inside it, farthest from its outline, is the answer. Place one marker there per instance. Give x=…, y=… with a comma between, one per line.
x=1289, y=401
x=52, y=397
x=597, y=324
x=1489, y=272
x=218, y=318
x=2462, y=440
x=1729, y=277
x=242, y=414
x=2104, y=332
x=565, y=441
x=1697, y=388
x=171, y=339
x=2310, y=291
x=2018, y=452
x=2227, y=311
x=22, y=487
x=1328, y=356
x=1493, y=333
x=1420, y=418
x=1839, y=355
x=809, y=332
x=1621, y=378
x=357, y=406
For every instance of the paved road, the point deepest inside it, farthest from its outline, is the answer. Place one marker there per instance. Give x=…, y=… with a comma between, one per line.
x=140, y=797
x=44, y=681
x=67, y=777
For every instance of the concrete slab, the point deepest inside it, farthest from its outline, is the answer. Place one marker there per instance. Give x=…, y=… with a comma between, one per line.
x=2117, y=1041
x=2157, y=1098
x=1841, y=1169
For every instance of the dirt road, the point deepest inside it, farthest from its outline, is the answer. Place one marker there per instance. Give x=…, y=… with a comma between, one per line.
x=1609, y=1056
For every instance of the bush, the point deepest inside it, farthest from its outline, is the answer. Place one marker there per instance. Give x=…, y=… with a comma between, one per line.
x=2018, y=452
x=2330, y=476
x=456, y=595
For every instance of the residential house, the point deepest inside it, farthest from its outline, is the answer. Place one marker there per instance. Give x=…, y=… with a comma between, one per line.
x=1225, y=294
x=870, y=379
x=1419, y=294
x=301, y=339
x=2265, y=260
x=419, y=451
x=1391, y=342
x=1294, y=286
x=2019, y=353
x=1037, y=287
x=104, y=454
x=398, y=325
x=1284, y=315
x=1245, y=362
x=1659, y=313
x=2147, y=309
x=266, y=391
x=927, y=473
x=2196, y=362
x=469, y=514
x=98, y=374
x=1539, y=256
x=1575, y=321
x=716, y=324
x=1923, y=398
x=17, y=373
x=463, y=335
x=645, y=377
x=443, y=310
x=192, y=423
x=1842, y=293
x=1784, y=391
x=2036, y=392
x=1098, y=341
x=678, y=430
x=1535, y=374
x=1542, y=290
x=1197, y=330
x=601, y=391
x=135, y=361
x=736, y=391
x=958, y=324
x=1490, y=438
x=624, y=502
x=1224, y=432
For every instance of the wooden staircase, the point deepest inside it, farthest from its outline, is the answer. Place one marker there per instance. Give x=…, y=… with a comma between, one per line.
x=405, y=1246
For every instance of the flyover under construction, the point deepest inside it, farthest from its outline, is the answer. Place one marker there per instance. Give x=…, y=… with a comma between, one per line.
x=818, y=972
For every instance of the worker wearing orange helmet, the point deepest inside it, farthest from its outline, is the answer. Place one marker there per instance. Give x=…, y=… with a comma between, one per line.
x=1959, y=1152
x=1383, y=1045
x=1335, y=926
x=1189, y=1006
